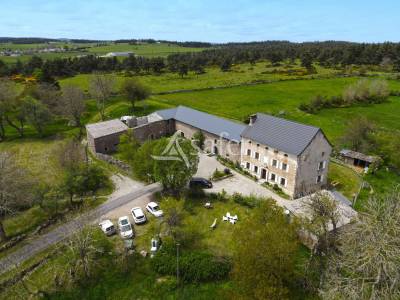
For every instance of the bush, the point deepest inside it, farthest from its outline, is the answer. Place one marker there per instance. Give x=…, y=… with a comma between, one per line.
x=195, y=266
x=248, y=201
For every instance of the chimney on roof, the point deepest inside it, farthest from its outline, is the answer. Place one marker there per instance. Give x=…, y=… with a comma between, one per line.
x=252, y=119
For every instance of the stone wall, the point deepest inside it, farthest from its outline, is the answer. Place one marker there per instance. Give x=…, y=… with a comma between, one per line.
x=267, y=171
x=106, y=144
x=318, y=151
x=154, y=130
x=213, y=143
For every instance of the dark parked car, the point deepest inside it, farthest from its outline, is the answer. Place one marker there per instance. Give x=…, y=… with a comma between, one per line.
x=199, y=182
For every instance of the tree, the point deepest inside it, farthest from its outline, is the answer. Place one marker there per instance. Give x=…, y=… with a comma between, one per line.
x=37, y=114
x=226, y=65
x=264, y=254
x=8, y=96
x=134, y=91
x=174, y=215
x=183, y=69
x=101, y=87
x=15, y=187
x=174, y=174
x=128, y=146
x=73, y=101
x=307, y=61
x=359, y=135
x=199, y=139
x=322, y=220
x=81, y=252
x=367, y=263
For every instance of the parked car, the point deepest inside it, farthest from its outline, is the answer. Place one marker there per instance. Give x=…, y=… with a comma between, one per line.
x=154, y=209
x=138, y=215
x=154, y=245
x=107, y=227
x=200, y=182
x=125, y=227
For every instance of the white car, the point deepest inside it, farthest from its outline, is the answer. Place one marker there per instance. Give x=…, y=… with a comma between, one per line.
x=138, y=215
x=154, y=209
x=125, y=227
x=154, y=245
x=107, y=227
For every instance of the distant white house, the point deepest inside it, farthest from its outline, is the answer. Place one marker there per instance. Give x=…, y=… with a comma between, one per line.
x=116, y=54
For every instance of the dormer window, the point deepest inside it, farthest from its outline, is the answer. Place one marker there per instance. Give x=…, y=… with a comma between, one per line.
x=258, y=145
x=285, y=155
x=276, y=151
x=266, y=148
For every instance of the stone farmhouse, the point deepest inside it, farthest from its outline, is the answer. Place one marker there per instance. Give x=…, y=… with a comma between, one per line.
x=291, y=155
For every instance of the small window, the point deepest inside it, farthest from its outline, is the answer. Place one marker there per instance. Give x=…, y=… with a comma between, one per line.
x=272, y=177
x=319, y=178
x=215, y=141
x=257, y=155
x=248, y=166
x=258, y=145
x=285, y=155
x=276, y=151
x=323, y=153
x=248, y=152
x=321, y=165
x=284, y=167
x=255, y=169
x=274, y=163
x=283, y=181
x=249, y=142
x=266, y=148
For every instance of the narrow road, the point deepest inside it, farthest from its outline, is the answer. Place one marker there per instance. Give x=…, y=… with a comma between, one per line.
x=64, y=231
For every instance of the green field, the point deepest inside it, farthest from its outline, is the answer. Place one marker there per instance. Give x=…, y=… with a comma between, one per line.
x=147, y=50
x=284, y=98
x=214, y=77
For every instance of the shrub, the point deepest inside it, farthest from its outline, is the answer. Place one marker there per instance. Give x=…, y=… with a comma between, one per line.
x=195, y=266
x=248, y=201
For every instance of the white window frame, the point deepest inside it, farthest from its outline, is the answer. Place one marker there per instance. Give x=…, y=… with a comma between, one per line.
x=270, y=177
x=323, y=165
x=322, y=179
x=247, y=152
x=258, y=169
x=287, y=167
x=277, y=163
x=280, y=178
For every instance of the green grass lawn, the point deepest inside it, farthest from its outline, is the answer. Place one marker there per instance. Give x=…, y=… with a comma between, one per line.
x=348, y=181
x=38, y=157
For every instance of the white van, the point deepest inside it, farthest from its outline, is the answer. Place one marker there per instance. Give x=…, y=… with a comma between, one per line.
x=107, y=227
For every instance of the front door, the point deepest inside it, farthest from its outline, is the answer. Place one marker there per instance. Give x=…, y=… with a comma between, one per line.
x=263, y=174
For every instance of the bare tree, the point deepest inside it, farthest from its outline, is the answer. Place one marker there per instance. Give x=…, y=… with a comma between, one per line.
x=15, y=188
x=322, y=223
x=81, y=253
x=101, y=87
x=73, y=100
x=367, y=265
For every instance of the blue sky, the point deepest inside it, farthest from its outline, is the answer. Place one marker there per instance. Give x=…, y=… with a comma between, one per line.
x=206, y=20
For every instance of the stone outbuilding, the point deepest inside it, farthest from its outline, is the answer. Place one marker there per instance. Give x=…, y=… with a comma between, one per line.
x=357, y=159
x=103, y=137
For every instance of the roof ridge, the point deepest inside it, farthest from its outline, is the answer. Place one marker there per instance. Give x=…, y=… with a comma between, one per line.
x=287, y=120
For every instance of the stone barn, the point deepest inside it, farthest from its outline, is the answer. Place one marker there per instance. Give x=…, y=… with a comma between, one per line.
x=103, y=137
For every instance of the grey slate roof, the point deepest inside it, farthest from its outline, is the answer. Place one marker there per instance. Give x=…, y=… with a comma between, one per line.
x=284, y=135
x=358, y=155
x=206, y=122
x=105, y=128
